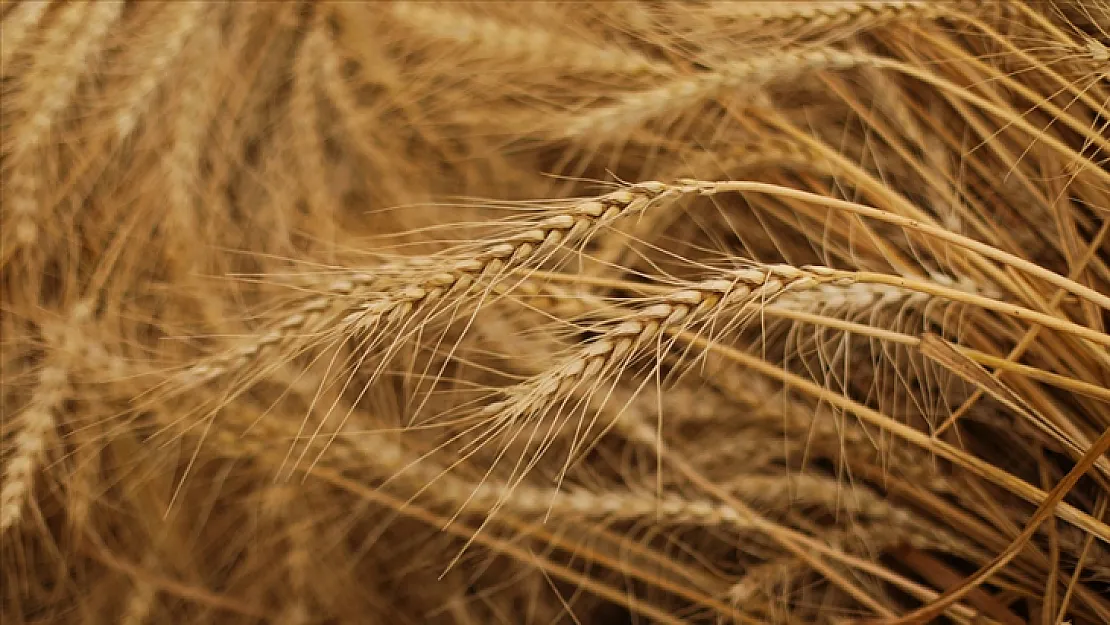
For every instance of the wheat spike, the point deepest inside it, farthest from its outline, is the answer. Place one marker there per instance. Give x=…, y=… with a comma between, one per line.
x=824, y=15
x=51, y=86
x=38, y=421
x=622, y=338
x=173, y=30
x=634, y=109
x=17, y=27
x=361, y=302
x=532, y=45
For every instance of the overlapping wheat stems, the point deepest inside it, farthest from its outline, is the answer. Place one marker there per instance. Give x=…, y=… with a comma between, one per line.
x=415, y=476
x=360, y=303
x=745, y=384
x=632, y=413
x=697, y=302
x=488, y=499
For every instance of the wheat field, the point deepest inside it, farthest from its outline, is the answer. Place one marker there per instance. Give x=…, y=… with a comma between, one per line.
x=317, y=313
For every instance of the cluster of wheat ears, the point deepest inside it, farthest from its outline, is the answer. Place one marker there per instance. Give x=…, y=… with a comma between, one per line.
x=638, y=312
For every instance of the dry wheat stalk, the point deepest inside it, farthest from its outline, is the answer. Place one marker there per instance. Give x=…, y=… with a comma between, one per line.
x=820, y=426
x=196, y=105
x=620, y=339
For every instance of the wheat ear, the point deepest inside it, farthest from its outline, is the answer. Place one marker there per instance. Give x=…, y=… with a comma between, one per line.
x=17, y=27
x=534, y=44
x=196, y=103
x=64, y=57
x=532, y=502
x=630, y=111
x=827, y=15
x=305, y=108
x=361, y=301
x=38, y=422
x=620, y=339
x=173, y=31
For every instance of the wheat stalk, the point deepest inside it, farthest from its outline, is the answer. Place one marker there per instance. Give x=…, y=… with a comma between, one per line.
x=618, y=340
x=823, y=15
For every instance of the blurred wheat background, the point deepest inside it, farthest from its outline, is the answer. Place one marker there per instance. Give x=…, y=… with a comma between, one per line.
x=537, y=313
